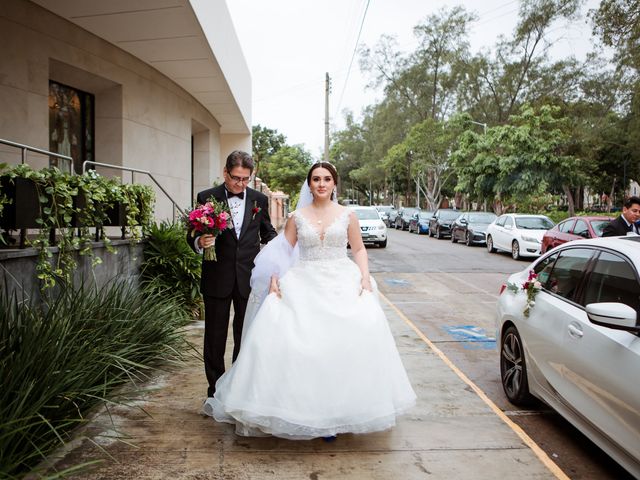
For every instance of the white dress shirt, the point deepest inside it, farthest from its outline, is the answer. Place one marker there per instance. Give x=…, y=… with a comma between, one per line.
x=237, y=206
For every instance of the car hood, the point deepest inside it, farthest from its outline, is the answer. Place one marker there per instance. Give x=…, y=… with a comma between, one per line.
x=478, y=227
x=537, y=234
x=371, y=223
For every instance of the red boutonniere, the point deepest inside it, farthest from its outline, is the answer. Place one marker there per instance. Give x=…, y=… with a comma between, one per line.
x=255, y=210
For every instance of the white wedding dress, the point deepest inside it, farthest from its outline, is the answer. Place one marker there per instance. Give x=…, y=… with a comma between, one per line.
x=320, y=360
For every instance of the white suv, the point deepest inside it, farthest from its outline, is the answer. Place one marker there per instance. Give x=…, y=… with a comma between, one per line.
x=372, y=228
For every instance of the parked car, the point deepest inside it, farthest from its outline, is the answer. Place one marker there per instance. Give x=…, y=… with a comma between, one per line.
x=440, y=222
x=577, y=350
x=420, y=222
x=471, y=227
x=518, y=233
x=372, y=228
x=404, y=216
x=384, y=211
x=574, y=228
x=393, y=215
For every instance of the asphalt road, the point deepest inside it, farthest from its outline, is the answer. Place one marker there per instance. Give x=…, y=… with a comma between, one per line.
x=449, y=292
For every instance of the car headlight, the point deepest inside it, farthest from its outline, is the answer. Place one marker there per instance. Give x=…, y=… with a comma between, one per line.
x=530, y=239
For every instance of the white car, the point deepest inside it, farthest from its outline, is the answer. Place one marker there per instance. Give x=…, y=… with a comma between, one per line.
x=518, y=233
x=372, y=228
x=577, y=348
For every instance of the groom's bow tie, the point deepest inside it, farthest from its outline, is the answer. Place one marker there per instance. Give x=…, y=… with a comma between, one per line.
x=239, y=195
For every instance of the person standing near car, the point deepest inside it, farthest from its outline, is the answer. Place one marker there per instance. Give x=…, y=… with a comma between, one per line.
x=626, y=222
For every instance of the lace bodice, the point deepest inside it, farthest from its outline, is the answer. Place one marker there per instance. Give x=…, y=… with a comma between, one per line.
x=332, y=246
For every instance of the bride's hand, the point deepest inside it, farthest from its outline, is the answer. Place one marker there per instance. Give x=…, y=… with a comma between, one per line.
x=366, y=284
x=274, y=287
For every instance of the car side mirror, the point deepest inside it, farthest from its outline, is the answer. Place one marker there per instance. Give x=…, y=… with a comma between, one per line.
x=463, y=221
x=508, y=227
x=613, y=315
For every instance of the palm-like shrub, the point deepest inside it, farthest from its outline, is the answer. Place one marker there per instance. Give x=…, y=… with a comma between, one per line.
x=59, y=360
x=171, y=266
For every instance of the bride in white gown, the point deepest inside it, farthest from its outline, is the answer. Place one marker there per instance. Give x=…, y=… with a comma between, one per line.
x=318, y=358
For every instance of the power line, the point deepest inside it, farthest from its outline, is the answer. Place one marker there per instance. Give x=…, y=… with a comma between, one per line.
x=355, y=50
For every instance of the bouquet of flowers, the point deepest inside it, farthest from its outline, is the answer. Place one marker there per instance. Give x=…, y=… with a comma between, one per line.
x=532, y=286
x=211, y=218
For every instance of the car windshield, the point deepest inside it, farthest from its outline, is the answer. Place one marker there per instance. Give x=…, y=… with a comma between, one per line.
x=449, y=215
x=482, y=217
x=598, y=226
x=533, y=223
x=425, y=215
x=366, y=214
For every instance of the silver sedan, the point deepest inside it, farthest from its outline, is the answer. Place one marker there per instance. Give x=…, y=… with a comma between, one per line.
x=568, y=333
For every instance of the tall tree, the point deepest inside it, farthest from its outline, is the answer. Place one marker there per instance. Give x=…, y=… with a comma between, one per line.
x=424, y=81
x=265, y=142
x=287, y=169
x=528, y=157
x=617, y=22
x=496, y=86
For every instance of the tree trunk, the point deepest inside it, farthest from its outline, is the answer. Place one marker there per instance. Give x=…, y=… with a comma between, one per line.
x=578, y=198
x=569, y=194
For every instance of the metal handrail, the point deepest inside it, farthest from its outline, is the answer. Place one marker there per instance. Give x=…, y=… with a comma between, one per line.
x=26, y=148
x=135, y=170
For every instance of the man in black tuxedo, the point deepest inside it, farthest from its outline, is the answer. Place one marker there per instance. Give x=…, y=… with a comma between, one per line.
x=625, y=222
x=227, y=279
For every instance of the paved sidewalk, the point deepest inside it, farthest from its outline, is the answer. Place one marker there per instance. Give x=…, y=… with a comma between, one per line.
x=450, y=434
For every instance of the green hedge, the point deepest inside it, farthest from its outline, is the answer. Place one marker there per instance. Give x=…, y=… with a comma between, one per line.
x=60, y=360
x=171, y=266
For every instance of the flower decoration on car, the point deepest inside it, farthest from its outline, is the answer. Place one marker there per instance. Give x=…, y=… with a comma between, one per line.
x=255, y=210
x=532, y=286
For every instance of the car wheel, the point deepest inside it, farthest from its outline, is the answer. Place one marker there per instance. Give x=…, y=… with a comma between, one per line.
x=515, y=250
x=490, y=248
x=383, y=244
x=467, y=239
x=513, y=368
x=453, y=237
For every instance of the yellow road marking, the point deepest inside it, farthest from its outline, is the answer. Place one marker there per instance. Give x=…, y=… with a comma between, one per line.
x=544, y=458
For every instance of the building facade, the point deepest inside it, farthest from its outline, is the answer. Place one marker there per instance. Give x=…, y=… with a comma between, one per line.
x=158, y=85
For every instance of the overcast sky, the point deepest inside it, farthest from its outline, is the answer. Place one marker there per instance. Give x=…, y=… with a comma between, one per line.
x=290, y=44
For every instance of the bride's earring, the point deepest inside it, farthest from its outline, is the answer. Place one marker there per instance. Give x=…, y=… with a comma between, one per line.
x=334, y=194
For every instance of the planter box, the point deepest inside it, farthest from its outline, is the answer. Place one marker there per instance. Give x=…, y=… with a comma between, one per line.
x=25, y=207
x=116, y=216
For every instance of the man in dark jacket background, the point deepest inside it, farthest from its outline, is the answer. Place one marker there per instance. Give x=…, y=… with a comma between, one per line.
x=627, y=221
x=227, y=279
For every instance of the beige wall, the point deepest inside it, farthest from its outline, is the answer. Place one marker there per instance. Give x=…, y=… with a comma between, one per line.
x=143, y=119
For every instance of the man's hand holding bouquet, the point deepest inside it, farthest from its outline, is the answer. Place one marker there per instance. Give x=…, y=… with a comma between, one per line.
x=209, y=220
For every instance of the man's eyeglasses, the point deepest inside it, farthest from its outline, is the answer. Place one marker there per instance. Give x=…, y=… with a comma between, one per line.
x=240, y=179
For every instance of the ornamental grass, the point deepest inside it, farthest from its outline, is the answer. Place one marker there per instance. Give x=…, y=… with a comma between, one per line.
x=61, y=359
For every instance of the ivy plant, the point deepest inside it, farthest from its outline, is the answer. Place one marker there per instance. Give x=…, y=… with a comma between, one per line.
x=85, y=198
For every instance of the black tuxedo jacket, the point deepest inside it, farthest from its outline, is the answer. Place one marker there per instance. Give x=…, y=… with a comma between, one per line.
x=235, y=255
x=615, y=228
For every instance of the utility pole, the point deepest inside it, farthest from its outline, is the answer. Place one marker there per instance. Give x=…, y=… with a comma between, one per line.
x=327, y=89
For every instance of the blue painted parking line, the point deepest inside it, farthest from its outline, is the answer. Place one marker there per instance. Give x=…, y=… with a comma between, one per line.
x=396, y=281
x=471, y=337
